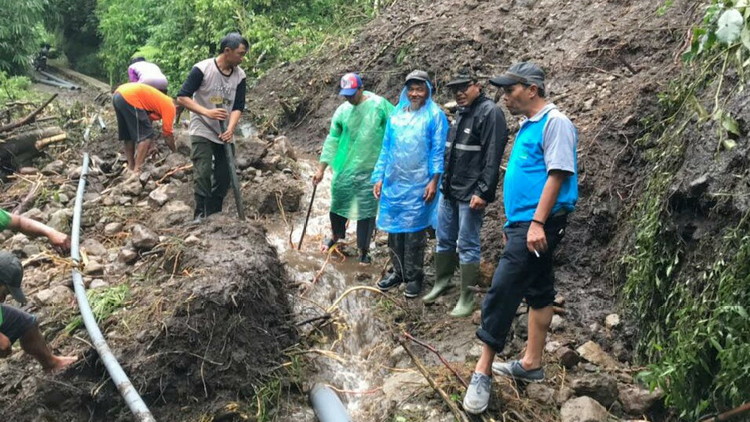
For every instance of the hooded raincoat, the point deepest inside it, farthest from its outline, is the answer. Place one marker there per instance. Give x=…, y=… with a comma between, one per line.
x=351, y=150
x=413, y=149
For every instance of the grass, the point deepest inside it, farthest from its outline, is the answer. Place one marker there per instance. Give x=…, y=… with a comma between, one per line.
x=104, y=302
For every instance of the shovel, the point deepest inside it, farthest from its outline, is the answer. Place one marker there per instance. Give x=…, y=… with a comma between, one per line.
x=232, y=171
x=307, y=218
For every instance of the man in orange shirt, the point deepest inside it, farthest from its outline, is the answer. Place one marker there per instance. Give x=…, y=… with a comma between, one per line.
x=136, y=105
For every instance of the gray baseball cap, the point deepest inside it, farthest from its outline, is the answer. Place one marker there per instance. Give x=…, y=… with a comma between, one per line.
x=11, y=274
x=526, y=73
x=417, y=75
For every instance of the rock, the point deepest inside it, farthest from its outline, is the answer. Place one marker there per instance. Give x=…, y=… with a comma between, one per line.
x=177, y=212
x=60, y=220
x=564, y=394
x=282, y=146
x=93, y=268
x=144, y=177
x=55, y=167
x=540, y=393
x=398, y=356
x=31, y=249
x=593, y=353
x=158, y=197
x=402, y=384
x=595, y=327
x=583, y=409
x=253, y=153
x=36, y=214
x=93, y=247
x=552, y=346
x=75, y=172
x=108, y=201
x=557, y=324
x=568, y=358
x=638, y=401
x=476, y=317
x=124, y=200
x=601, y=387
x=143, y=238
x=559, y=300
x=28, y=171
x=175, y=159
x=474, y=352
x=192, y=240
x=612, y=321
x=127, y=256
x=112, y=229
x=63, y=198
x=132, y=188
x=53, y=296
x=98, y=283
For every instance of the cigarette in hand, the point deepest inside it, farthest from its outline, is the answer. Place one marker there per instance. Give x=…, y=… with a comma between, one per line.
x=536, y=253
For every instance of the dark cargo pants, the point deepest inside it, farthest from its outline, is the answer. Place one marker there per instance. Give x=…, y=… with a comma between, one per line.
x=211, y=178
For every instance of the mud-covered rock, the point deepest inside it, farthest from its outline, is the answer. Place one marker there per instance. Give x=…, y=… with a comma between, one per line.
x=638, y=401
x=93, y=268
x=540, y=393
x=53, y=296
x=144, y=238
x=55, y=167
x=567, y=357
x=60, y=220
x=93, y=247
x=612, y=321
x=601, y=387
x=158, y=196
x=583, y=409
x=127, y=256
x=593, y=353
x=272, y=192
x=112, y=228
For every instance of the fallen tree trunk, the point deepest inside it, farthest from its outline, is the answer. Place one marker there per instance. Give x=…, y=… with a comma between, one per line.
x=19, y=149
x=28, y=119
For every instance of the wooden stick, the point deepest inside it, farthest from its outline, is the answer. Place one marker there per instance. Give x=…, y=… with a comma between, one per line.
x=28, y=119
x=307, y=218
x=728, y=414
x=26, y=200
x=459, y=415
x=433, y=350
x=42, y=143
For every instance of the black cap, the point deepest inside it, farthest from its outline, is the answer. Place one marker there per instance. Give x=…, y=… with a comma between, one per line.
x=526, y=73
x=461, y=78
x=417, y=75
x=11, y=274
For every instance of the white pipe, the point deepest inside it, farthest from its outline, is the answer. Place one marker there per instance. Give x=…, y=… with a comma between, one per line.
x=327, y=405
x=128, y=392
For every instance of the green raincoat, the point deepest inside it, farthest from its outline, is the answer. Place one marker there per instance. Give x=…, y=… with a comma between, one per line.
x=351, y=150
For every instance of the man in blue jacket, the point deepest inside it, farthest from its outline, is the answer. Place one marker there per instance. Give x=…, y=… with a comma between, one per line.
x=406, y=179
x=539, y=191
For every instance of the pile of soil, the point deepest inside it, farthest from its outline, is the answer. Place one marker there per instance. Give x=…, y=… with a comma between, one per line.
x=206, y=317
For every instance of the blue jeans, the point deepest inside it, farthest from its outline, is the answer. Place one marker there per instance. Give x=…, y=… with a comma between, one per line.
x=458, y=230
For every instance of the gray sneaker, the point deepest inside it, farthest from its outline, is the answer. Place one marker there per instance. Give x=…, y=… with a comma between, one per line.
x=515, y=370
x=477, y=396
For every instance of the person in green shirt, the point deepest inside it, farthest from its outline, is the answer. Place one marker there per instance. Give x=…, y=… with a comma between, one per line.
x=351, y=150
x=16, y=324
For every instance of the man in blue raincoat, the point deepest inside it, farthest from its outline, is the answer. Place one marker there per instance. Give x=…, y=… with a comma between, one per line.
x=406, y=179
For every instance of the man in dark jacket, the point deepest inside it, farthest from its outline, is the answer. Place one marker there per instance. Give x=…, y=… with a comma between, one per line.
x=473, y=151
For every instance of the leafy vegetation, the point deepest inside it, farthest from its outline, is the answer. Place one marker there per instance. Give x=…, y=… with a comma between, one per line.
x=20, y=30
x=104, y=302
x=694, y=328
x=14, y=87
x=179, y=33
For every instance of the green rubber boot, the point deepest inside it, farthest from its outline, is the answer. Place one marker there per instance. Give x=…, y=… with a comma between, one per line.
x=445, y=264
x=469, y=278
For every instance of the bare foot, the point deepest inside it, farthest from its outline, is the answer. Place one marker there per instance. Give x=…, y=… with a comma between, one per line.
x=60, y=362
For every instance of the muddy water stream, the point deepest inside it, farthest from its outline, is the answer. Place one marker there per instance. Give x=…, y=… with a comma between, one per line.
x=350, y=351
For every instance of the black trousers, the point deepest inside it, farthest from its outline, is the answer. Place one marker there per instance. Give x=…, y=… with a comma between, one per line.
x=364, y=230
x=519, y=274
x=407, y=254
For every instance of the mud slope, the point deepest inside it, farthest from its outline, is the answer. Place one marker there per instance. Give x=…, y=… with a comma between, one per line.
x=605, y=61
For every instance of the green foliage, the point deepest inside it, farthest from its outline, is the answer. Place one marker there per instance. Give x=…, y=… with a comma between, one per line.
x=179, y=33
x=104, y=302
x=694, y=329
x=724, y=24
x=20, y=33
x=14, y=87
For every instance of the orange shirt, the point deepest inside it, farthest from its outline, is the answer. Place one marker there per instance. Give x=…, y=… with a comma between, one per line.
x=152, y=100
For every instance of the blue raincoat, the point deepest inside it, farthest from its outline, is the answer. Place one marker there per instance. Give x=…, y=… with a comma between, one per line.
x=412, y=153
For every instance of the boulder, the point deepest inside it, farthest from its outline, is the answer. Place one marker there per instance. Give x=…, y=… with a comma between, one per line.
x=112, y=229
x=583, y=409
x=283, y=147
x=612, y=321
x=93, y=247
x=60, y=220
x=177, y=212
x=638, y=401
x=540, y=393
x=53, y=296
x=601, y=387
x=55, y=167
x=132, y=187
x=557, y=324
x=593, y=353
x=568, y=358
x=143, y=238
x=127, y=256
x=158, y=197
x=93, y=268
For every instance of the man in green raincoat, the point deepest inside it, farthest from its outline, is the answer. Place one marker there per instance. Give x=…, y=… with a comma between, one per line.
x=351, y=150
